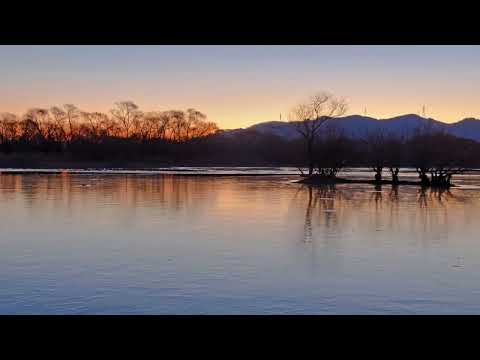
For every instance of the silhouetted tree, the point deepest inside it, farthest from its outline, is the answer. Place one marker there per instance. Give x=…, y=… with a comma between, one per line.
x=72, y=114
x=394, y=155
x=126, y=113
x=309, y=118
x=8, y=131
x=332, y=151
x=384, y=150
x=439, y=154
x=376, y=147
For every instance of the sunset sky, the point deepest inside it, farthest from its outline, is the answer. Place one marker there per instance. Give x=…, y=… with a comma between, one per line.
x=237, y=86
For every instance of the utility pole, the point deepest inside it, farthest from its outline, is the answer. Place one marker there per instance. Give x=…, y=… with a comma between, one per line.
x=423, y=111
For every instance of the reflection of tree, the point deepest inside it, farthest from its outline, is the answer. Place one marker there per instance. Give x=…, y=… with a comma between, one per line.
x=9, y=184
x=376, y=196
x=393, y=194
x=30, y=188
x=308, y=217
x=333, y=208
x=321, y=200
x=73, y=193
x=428, y=197
x=378, y=199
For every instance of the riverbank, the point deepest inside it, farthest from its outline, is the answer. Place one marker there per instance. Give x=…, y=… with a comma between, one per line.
x=65, y=161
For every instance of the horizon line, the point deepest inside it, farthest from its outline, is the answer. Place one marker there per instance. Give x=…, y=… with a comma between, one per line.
x=366, y=116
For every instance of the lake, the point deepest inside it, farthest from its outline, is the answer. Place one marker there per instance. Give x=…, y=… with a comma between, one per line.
x=159, y=243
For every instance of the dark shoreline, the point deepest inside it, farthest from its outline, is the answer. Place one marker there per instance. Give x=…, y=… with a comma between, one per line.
x=319, y=181
x=179, y=172
x=313, y=181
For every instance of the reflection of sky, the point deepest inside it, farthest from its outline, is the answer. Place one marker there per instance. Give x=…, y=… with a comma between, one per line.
x=241, y=85
x=163, y=244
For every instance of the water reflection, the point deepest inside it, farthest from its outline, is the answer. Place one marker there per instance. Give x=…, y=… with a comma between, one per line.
x=124, y=190
x=331, y=208
x=440, y=197
x=322, y=202
x=167, y=244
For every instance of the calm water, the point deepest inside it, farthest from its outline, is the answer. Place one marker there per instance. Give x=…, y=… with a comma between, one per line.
x=164, y=244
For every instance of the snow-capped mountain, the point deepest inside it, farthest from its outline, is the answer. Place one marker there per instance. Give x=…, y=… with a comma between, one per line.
x=357, y=126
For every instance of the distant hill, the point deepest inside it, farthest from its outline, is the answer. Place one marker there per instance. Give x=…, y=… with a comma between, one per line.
x=357, y=126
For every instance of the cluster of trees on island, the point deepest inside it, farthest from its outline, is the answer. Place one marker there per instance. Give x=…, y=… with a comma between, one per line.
x=435, y=155
x=162, y=138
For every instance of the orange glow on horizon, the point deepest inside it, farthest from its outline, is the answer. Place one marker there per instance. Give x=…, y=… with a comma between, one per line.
x=239, y=117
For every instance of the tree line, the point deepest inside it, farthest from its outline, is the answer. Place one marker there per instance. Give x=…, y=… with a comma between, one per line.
x=124, y=129
x=62, y=126
x=126, y=136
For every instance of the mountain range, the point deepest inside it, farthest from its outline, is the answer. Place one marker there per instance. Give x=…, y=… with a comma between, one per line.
x=357, y=126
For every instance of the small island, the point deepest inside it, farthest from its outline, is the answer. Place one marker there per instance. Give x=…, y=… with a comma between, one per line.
x=436, y=155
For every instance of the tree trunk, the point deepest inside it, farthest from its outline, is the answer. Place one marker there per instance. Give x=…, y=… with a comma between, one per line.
x=394, y=173
x=310, y=157
x=378, y=174
x=422, y=174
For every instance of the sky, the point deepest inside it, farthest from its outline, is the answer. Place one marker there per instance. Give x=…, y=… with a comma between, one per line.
x=238, y=86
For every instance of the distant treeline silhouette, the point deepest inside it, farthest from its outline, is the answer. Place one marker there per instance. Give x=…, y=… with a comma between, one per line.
x=129, y=137
x=126, y=132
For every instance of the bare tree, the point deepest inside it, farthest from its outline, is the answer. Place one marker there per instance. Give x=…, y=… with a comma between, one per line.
x=38, y=120
x=331, y=152
x=178, y=124
x=438, y=154
x=309, y=118
x=59, y=116
x=384, y=150
x=159, y=123
x=394, y=155
x=72, y=114
x=376, y=142
x=198, y=126
x=449, y=159
x=126, y=112
x=95, y=126
x=9, y=130
x=8, y=127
